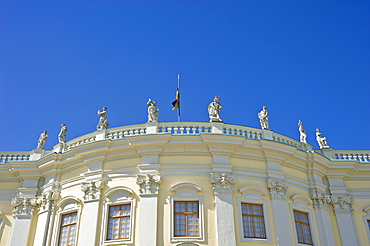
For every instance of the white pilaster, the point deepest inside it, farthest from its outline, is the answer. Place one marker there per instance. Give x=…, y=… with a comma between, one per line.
x=43, y=227
x=280, y=211
x=225, y=220
x=149, y=187
x=343, y=211
x=225, y=225
x=148, y=220
x=88, y=234
x=22, y=213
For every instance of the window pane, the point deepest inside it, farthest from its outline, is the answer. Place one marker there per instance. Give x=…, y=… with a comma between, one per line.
x=253, y=221
x=302, y=227
x=67, y=231
x=119, y=222
x=186, y=218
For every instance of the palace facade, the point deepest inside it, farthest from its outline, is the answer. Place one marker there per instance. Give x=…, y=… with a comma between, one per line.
x=185, y=184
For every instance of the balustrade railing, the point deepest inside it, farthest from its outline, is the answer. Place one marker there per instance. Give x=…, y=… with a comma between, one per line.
x=184, y=128
x=247, y=132
x=121, y=132
x=358, y=155
x=6, y=156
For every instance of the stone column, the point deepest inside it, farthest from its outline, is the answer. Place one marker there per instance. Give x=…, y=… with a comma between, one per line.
x=225, y=225
x=280, y=210
x=22, y=213
x=88, y=234
x=149, y=187
x=320, y=203
x=44, y=223
x=342, y=206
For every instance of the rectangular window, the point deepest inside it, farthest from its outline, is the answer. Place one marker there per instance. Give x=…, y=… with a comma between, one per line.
x=67, y=232
x=119, y=222
x=253, y=221
x=368, y=223
x=186, y=219
x=303, y=227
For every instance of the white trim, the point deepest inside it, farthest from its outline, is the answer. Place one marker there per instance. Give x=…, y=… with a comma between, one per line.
x=67, y=205
x=1, y=222
x=118, y=196
x=252, y=195
x=186, y=192
x=365, y=218
x=300, y=203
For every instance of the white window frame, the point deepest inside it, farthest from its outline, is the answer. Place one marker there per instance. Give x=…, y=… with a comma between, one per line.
x=120, y=195
x=67, y=205
x=186, y=192
x=253, y=195
x=365, y=219
x=303, y=204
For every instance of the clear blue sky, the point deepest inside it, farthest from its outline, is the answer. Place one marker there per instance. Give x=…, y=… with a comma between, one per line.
x=61, y=61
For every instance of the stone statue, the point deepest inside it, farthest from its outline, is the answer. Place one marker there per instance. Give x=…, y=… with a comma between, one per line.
x=321, y=140
x=264, y=118
x=42, y=140
x=152, y=111
x=103, y=120
x=62, y=137
x=214, y=110
x=302, y=133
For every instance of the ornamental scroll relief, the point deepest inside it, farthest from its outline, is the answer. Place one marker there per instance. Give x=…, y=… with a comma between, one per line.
x=222, y=184
x=277, y=189
x=23, y=206
x=149, y=183
x=92, y=190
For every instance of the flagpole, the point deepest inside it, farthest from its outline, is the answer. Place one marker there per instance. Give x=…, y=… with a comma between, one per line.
x=178, y=86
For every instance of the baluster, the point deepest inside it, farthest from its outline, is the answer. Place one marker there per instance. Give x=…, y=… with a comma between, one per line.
x=187, y=130
x=181, y=130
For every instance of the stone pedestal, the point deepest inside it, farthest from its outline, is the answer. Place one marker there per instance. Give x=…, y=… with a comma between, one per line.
x=151, y=127
x=36, y=154
x=267, y=134
x=217, y=127
x=101, y=135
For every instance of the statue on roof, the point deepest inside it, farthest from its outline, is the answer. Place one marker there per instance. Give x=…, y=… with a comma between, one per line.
x=42, y=140
x=152, y=111
x=62, y=138
x=214, y=110
x=302, y=133
x=103, y=120
x=264, y=118
x=321, y=140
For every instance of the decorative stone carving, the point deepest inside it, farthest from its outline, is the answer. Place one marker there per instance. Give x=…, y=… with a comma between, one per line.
x=149, y=183
x=302, y=133
x=152, y=111
x=319, y=198
x=62, y=137
x=321, y=140
x=277, y=189
x=46, y=200
x=42, y=140
x=23, y=206
x=222, y=184
x=103, y=120
x=264, y=118
x=214, y=110
x=92, y=190
x=342, y=204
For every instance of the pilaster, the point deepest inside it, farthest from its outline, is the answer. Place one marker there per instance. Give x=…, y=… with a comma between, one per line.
x=342, y=206
x=149, y=188
x=225, y=225
x=88, y=234
x=22, y=213
x=277, y=189
x=45, y=216
x=320, y=202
